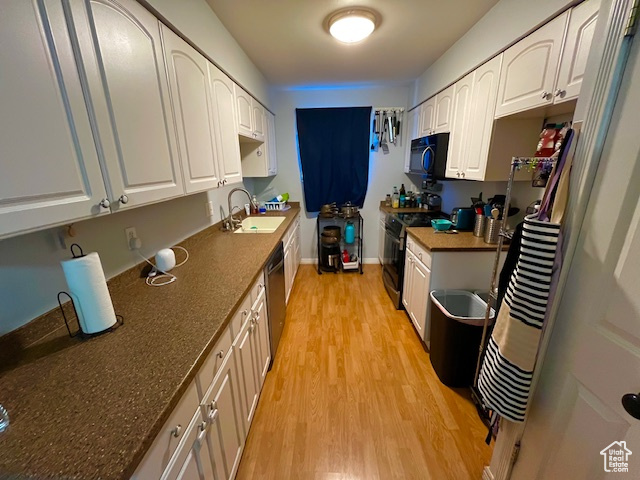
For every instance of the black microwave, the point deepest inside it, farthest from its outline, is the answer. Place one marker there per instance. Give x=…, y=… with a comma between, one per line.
x=429, y=156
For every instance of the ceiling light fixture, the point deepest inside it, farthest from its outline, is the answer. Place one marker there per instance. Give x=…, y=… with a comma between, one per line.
x=352, y=25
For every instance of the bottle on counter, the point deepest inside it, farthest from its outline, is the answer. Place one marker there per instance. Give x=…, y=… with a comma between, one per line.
x=387, y=201
x=254, y=205
x=262, y=208
x=403, y=197
x=396, y=198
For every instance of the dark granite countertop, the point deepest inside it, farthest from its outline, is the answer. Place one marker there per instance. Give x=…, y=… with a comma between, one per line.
x=89, y=409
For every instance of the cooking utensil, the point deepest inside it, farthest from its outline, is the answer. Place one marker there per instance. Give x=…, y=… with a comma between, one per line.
x=332, y=231
x=391, y=126
x=495, y=213
x=328, y=240
x=349, y=210
x=440, y=224
x=373, y=134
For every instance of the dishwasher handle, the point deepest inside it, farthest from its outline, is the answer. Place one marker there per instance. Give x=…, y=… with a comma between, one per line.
x=276, y=267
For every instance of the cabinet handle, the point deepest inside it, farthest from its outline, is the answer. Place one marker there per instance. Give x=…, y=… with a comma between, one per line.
x=260, y=287
x=104, y=203
x=203, y=426
x=259, y=153
x=255, y=134
x=252, y=328
x=544, y=95
x=177, y=430
x=213, y=415
x=123, y=199
x=245, y=313
x=220, y=354
x=257, y=317
x=458, y=174
x=462, y=174
x=559, y=92
x=420, y=255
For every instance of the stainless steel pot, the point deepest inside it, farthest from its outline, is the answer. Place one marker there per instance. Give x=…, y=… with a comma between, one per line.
x=349, y=210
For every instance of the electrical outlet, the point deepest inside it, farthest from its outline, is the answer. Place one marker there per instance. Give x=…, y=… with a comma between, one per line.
x=209, y=207
x=131, y=235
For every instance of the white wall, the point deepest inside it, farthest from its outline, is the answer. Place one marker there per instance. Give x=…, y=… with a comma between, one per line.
x=385, y=171
x=505, y=23
x=30, y=272
x=196, y=20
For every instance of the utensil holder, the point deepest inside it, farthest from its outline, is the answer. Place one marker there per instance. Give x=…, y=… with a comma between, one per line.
x=478, y=226
x=492, y=230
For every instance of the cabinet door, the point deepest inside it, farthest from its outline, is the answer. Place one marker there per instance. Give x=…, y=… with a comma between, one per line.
x=381, y=241
x=271, y=144
x=259, y=120
x=582, y=25
x=529, y=69
x=197, y=465
x=261, y=336
x=288, y=272
x=245, y=357
x=50, y=169
x=127, y=85
x=406, y=285
x=225, y=437
x=413, y=131
x=458, y=141
x=298, y=236
x=192, y=110
x=244, y=111
x=427, y=117
x=444, y=110
x=185, y=463
x=481, y=118
x=419, y=296
x=228, y=148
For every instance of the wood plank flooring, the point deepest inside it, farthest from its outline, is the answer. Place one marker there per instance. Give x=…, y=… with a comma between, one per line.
x=352, y=394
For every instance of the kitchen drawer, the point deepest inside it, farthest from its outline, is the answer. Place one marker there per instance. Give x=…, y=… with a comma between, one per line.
x=214, y=361
x=239, y=318
x=186, y=444
x=258, y=287
x=171, y=435
x=419, y=251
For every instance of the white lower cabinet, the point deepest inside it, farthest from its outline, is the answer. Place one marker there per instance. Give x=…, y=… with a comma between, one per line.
x=204, y=437
x=292, y=255
x=416, y=278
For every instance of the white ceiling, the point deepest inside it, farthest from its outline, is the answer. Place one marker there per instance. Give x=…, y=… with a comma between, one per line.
x=288, y=43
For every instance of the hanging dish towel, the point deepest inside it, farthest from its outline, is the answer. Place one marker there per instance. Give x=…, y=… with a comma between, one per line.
x=510, y=356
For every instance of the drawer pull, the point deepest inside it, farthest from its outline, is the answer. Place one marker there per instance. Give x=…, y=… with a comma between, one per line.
x=213, y=415
x=220, y=354
x=203, y=426
x=177, y=430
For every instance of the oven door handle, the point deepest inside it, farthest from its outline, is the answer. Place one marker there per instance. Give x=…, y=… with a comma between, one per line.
x=389, y=236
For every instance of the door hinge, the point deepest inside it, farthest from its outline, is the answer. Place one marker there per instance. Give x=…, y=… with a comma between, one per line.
x=515, y=453
x=632, y=25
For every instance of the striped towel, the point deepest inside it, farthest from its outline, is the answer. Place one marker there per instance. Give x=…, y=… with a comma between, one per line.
x=507, y=367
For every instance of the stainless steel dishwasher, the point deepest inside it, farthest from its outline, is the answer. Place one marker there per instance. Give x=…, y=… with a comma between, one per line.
x=276, y=306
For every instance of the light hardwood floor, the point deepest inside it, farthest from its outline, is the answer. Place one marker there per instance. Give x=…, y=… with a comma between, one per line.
x=352, y=394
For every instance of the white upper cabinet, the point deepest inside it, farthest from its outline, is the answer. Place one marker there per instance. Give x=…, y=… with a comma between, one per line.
x=582, y=25
x=127, y=87
x=412, y=132
x=259, y=120
x=483, y=104
x=443, y=111
x=191, y=101
x=244, y=110
x=50, y=169
x=456, y=155
x=223, y=104
x=529, y=69
x=427, y=117
x=271, y=144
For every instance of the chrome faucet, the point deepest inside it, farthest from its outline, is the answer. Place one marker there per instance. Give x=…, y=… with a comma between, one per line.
x=231, y=223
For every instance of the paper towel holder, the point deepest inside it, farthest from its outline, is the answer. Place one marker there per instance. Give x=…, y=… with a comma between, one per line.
x=83, y=334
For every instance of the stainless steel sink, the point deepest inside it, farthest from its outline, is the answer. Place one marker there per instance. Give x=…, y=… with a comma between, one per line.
x=260, y=224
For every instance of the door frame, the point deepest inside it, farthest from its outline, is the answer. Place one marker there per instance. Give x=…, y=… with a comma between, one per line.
x=594, y=110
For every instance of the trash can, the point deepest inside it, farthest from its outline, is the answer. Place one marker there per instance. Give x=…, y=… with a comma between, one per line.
x=457, y=317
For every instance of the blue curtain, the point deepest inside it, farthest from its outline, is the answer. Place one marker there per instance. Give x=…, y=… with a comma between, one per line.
x=334, y=154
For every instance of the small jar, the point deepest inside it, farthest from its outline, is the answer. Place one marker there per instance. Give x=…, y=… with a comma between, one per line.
x=387, y=201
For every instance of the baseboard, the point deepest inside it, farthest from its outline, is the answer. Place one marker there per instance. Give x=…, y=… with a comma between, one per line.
x=314, y=261
x=486, y=474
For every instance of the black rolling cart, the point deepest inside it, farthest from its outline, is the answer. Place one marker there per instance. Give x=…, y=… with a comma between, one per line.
x=330, y=255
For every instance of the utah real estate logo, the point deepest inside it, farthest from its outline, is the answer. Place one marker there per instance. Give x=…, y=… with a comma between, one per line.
x=616, y=457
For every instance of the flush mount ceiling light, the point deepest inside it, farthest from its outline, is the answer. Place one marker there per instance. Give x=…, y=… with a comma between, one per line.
x=351, y=25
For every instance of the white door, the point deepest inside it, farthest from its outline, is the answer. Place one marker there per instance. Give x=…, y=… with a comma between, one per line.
x=413, y=131
x=406, y=281
x=288, y=271
x=444, y=110
x=223, y=102
x=582, y=26
x=529, y=69
x=225, y=440
x=50, y=169
x=245, y=364
x=481, y=118
x=458, y=140
x=419, y=295
x=593, y=357
x=261, y=335
x=244, y=111
x=427, y=117
x=258, y=119
x=191, y=102
x=127, y=84
x=271, y=144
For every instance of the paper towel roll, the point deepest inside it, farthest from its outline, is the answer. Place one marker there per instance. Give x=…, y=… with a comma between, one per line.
x=88, y=288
